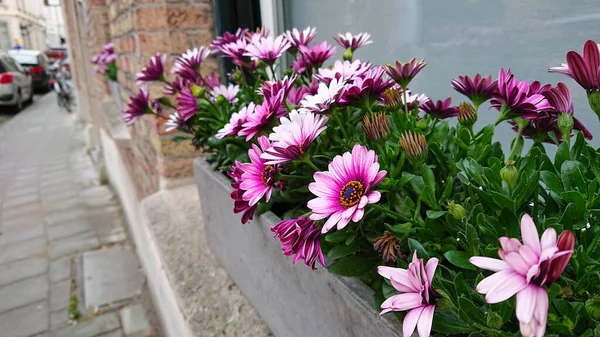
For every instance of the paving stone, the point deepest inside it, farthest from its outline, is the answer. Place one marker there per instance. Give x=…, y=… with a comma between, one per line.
x=60, y=269
x=98, y=325
x=25, y=321
x=23, y=292
x=23, y=215
x=117, y=333
x=134, y=321
x=21, y=192
x=14, y=234
x=20, y=201
x=77, y=243
x=110, y=275
x=22, y=250
x=59, y=319
x=69, y=228
x=59, y=295
x=22, y=269
x=62, y=205
x=65, y=216
x=54, y=196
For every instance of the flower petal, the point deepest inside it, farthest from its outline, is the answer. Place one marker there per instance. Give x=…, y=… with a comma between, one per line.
x=410, y=321
x=488, y=263
x=506, y=288
x=548, y=238
x=530, y=234
x=425, y=321
x=526, y=301
x=430, y=268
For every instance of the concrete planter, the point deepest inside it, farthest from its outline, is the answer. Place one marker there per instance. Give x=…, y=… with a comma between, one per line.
x=292, y=299
x=115, y=93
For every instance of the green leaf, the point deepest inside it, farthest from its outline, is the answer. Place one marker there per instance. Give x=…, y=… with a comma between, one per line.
x=449, y=323
x=517, y=147
x=337, y=236
x=180, y=138
x=572, y=177
x=428, y=178
x=354, y=265
x=401, y=229
x=562, y=155
x=502, y=200
x=435, y=214
x=406, y=178
x=459, y=259
x=577, y=146
x=577, y=199
x=416, y=245
x=552, y=182
x=471, y=311
x=343, y=250
x=388, y=290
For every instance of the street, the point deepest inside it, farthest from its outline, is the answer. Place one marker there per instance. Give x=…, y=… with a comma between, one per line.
x=5, y=114
x=67, y=266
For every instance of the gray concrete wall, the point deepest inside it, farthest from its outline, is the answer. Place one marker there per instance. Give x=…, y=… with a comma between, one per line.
x=292, y=299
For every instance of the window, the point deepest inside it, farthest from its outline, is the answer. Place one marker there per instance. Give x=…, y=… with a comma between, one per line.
x=462, y=37
x=4, y=36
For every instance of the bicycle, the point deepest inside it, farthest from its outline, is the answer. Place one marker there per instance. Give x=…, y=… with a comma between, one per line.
x=64, y=92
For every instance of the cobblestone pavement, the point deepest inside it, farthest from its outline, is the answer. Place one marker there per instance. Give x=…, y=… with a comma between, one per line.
x=55, y=219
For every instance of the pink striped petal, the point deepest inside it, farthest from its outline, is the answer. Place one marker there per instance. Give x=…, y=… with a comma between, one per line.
x=506, y=288
x=540, y=314
x=486, y=285
x=332, y=221
x=410, y=321
x=548, y=238
x=430, y=268
x=528, y=255
x=509, y=244
x=530, y=234
x=406, y=301
x=488, y=263
x=373, y=197
x=425, y=321
x=516, y=263
x=526, y=301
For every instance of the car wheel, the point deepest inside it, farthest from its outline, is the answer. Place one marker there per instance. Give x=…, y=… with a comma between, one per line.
x=18, y=104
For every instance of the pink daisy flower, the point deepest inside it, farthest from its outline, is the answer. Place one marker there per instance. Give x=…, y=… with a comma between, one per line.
x=344, y=191
x=239, y=204
x=236, y=50
x=187, y=104
x=300, y=38
x=227, y=37
x=235, y=122
x=353, y=41
x=271, y=89
x=343, y=70
x=295, y=95
x=371, y=85
x=229, y=92
x=212, y=80
x=188, y=64
x=258, y=179
x=524, y=269
x=262, y=116
x=300, y=237
x=175, y=121
x=137, y=107
x=415, y=285
x=154, y=70
x=326, y=98
x=267, y=49
x=317, y=54
x=292, y=138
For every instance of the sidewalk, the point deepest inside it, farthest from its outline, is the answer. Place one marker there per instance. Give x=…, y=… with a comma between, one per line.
x=64, y=250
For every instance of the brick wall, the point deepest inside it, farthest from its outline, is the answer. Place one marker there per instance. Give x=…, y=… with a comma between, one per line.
x=138, y=30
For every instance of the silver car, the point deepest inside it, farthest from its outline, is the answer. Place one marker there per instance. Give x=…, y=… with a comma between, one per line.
x=15, y=85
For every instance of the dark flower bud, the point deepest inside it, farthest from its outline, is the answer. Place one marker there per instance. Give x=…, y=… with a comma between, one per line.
x=376, y=126
x=467, y=116
x=415, y=146
x=389, y=247
x=392, y=98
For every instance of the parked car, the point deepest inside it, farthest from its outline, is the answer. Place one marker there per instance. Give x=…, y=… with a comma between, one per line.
x=16, y=84
x=36, y=63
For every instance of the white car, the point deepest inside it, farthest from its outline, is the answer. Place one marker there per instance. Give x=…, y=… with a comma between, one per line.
x=15, y=85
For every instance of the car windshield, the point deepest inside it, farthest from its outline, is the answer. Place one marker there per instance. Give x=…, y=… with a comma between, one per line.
x=23, y=59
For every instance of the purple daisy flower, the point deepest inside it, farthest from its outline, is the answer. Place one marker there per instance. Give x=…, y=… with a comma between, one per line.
x=439, y=109
x=239, y=204
x=300, y=38
x=154, y=71
x=110, y=58
x=227, y=37
x=137, y=107
x=299, y=65
x=262, y=116
x=344, y=191
x=96, y=59
x=271, y=89
x=109, y=48
x=212, y=80
x=343, y=70
x=413, y=100
x=259, y=178
x=236, y=50
x=372, y=85
x=188, y=64
x=267, y=49
x=585, y=70
x=188, y=104
x=514, y=98
x=297, y=94
x=236, y=121
x=325, y=99
x=536, y=87
x=292, y=138
x=317, y=54
x=353, y=41
x=300, y=237
x=175, y=121
x=403, y=73
x=229, y=92
x=478, y=89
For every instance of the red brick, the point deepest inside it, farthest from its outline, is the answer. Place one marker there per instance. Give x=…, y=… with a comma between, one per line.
x=150, y=43
x=187, y=17
x=179, y=42
x=201, y=38
x=151, y=18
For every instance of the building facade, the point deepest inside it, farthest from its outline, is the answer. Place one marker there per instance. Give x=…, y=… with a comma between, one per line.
x=55, y=25
x=22, y=23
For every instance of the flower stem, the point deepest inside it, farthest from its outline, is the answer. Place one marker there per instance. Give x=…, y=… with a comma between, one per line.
x=391, y=213
x=272, y=71
x=310, y=163
x=339, y=121
x=405, y=101
x=295, y=176
x=515, y=147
